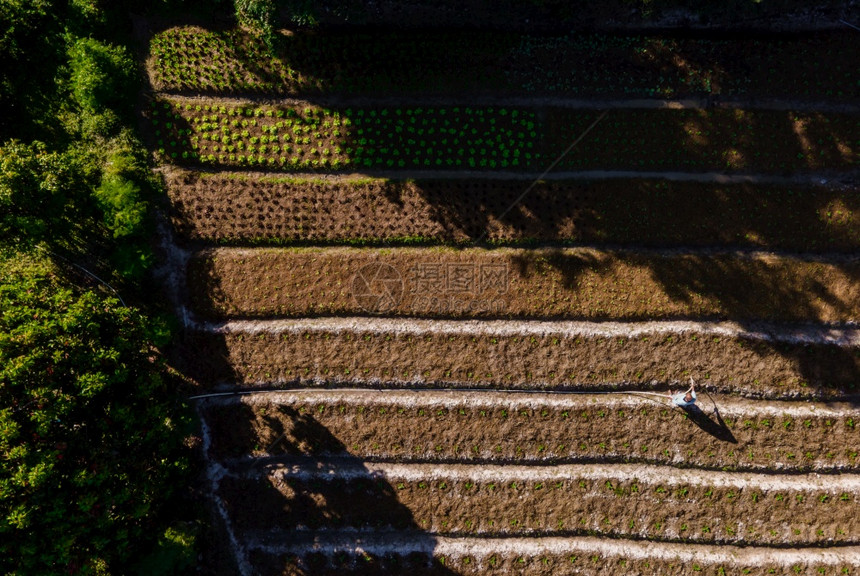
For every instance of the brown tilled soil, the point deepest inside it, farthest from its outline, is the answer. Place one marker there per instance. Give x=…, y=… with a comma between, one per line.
x=564, y=506
x=648, y=432
x=515, y=283
x=585, y=564
x=255, y=208
x=750, y=367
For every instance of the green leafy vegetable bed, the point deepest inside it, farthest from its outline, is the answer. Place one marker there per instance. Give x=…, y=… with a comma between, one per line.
x=296, y=138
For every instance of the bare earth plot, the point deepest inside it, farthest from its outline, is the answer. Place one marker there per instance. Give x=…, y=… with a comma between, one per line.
x=555, y=355
x=237, y=208
x=408, y=366
x=581, y=283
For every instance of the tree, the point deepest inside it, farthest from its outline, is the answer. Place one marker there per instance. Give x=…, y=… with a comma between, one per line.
x=89, y=438
x=40, y=193
x=31, y=48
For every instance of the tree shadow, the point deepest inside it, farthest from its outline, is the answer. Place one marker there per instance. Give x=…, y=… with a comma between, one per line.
x=830, y=368
x=649, y=213
x=206, y=358
x=209, y=294
x=559, y=15
x=382, y=60
x=301, y=502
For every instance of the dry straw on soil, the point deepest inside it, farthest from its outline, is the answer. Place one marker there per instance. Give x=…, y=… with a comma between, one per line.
x=352, y=553
x=259, y=208
x=623, y=506
x=358, y=358
x=484, y=427
x=542, y=283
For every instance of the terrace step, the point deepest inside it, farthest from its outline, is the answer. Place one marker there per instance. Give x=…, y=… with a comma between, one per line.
x=225, y=208
x=842, y=179
x=473, y=63
x=339, y=552
x=340, y=468
x=227, y=133
x=653, y=502
x=756, y=360
x=717, y=102
x=809, y=334
x=540, y=283
x=425, y=426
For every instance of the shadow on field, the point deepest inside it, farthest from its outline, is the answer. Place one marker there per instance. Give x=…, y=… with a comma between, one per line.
x=715, y=426
x=749, y=292
x=736, y=287
x=549, y=15
x=301, y=513
x=205, y=357
x=370, y=56
x=651, y=213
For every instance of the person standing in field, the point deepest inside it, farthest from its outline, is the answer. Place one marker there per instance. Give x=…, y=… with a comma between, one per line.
x=684, y=399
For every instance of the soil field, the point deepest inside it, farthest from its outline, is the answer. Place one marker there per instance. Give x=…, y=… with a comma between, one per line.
x=469, y=501
x=191, y=59
x=528, y=557
x=311, y=357
x=495, y=427
x=515, y=283
x=408, y=376
x=242, y=208
x=294, y=137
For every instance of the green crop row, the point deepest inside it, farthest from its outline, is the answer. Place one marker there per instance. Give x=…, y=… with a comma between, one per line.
x=310, y=138
x=294, y=138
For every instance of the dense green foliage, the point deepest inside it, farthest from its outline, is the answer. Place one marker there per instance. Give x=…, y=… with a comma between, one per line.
x=257, y=15
x=90, y=424
x=87, y=431
x=37, y=188
x=28, y=43
x=101, y=75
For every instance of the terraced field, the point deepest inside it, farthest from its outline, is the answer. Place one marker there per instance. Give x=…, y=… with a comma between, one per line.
x=434, y=318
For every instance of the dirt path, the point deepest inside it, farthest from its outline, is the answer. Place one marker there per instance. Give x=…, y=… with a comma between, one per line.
x=749, y=254
x=482, y=548
x=514, y=400
x=214, y=475
x=171, y=270
x=349, y=469
x=800, y=334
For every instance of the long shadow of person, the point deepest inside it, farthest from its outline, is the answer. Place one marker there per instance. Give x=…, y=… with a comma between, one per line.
x=716, y=427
